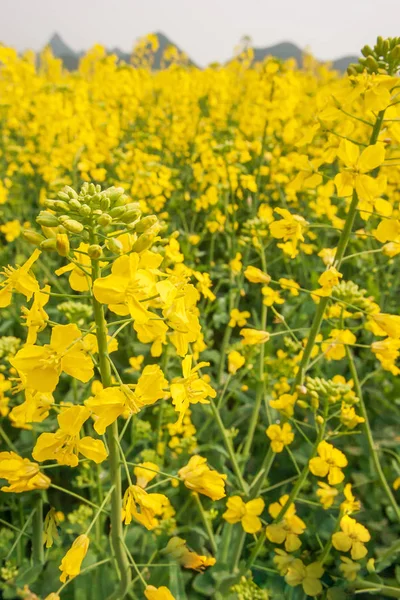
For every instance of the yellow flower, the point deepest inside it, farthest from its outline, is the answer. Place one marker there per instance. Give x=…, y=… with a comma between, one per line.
x=282, y=560
x=349, y=417
x=289, y=228
x=238, y=318
x=18, y=280
x=387, y=352
x=236, y=264
x=349, y=568
x=288, y=529
x=191, y=388
x=161, y=593
x=36, y=317
x=52, y=596
x=388, y=230
x=389, y=323
x=188, y=559
x=285, y=404
x=308, y=576
x=289, y=284
x=280, y=436
x=350, y=504
x=198, y=477
x=21, y=474
x=111, y=402
x=143, y=507
x=72, y=561
x=334, y=347
x=354, y=177
x=65, y=445
x=42, y=365
x=271, y=296
x=329, y=463
x=255, y=275
x=254, y=336
x=11, y=230
x=235, y=361
x=352, y=537
x=145, y=472
x=327, y=281
x=247, y=513
x=79, y=278
x=326, y=494
x=396, y=484
x=136, y=362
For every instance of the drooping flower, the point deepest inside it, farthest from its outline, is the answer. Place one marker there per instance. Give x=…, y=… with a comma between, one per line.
x=18, y=280
x=329, y=462
x=352, y=537
x=350, y=504
x=188, y=559
x=285, y=404
x=42, y=365
x=72, y=561
x=80, y=270
x=252, y=337
x=280, y=436
x=143, y=507
x=65, y=444
x=145, y=472
x=109, y=403
x=247, y=513
x=198, y=477
x=21, y=474
x=36, y=317
x=255, y=275
x=191, y=388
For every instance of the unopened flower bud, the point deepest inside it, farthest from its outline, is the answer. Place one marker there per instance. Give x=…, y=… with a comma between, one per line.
x=121, y=201
x=63, y=196
x=320, y=419
x=49, y=203
x=302, y=404
x=70, y=191
x=117, y=211
x=61, y=206
x=48, y=244
x=92, y=189
x=104, y=219
x=146, y=223
x=143, y=242
x=95, y=251
x=32, y=237
x=47, y=219
x=114, y=245
x=62, y=244
x=75, y=204
x=73, y=226
x=130, y=216
x=105, y=203
x=85, y=210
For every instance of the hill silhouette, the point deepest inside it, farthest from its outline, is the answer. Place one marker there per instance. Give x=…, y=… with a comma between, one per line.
x=283, y=50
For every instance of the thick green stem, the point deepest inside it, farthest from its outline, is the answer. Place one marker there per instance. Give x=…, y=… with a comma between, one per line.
x=263, y=473
x=370, y=440
x=37, y=532
x=386, y=591
x=114, y=453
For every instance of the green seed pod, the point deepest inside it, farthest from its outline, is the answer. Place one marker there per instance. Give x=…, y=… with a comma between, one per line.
x=117, y=211
x=63, y=196
x=48, y=244
x=75, y=204
x=130, y=216
x=104, y=219
x=85, y=210
x=61, y=206
x=33, y=237
x=73, y=226
x=105, y=203
x=146, y=223
x=143, y=242
x=95, y=251
x=114, y=245
x=47, y=219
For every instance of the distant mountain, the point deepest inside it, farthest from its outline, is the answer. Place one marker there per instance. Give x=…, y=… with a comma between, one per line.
x=283, y=50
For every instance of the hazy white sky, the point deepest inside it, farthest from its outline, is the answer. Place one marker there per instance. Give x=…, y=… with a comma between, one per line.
x=207, y=30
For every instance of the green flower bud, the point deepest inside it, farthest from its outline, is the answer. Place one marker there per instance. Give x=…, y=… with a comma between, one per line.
x=117, y=211
x=130, y=216
x=63, y=196
x=104, y=219
x=146, y=223
x=48, y=244
x=75, y=204
x=105, y=203
x=48, y=203
x=47, y=219
x=114, y=193
x=95, y=251
x=73, y=226
x=70, y=191
x=61, y=206
x=367, y=51
x=33, y=237
x=85, y=210
x=114, y=245
x=143, y=242
x=92, y=189
x=121, y=201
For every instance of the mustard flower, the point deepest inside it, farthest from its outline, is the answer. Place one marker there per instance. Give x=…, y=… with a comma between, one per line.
x=247, y=513
x=329, y=462
x=280, y=436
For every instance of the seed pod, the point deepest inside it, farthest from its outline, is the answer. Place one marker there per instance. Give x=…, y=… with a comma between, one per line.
x=63, y=196
x=48, y=244
x=75, y=204
x=95, y=251
x=73, y=226
x=117, y=211
x=33, y=237
x=114, y=245
x=47, y=219
x=143, y=242
x=62, y=244
x=104, y=219
x=146, y=223
x=130, y=216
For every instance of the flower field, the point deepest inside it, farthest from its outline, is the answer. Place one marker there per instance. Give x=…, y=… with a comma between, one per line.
x=200, y=330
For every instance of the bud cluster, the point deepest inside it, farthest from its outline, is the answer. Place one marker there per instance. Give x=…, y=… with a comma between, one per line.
x=319, y=389
x=349, y=292
x=79, y=214
x=384, y=57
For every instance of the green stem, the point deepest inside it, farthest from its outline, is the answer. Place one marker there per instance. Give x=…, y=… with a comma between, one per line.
x=263, y=473
x=385, y=590
x=370, y=440
x=114, y=452
x=206, y=523
x=37, y=532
